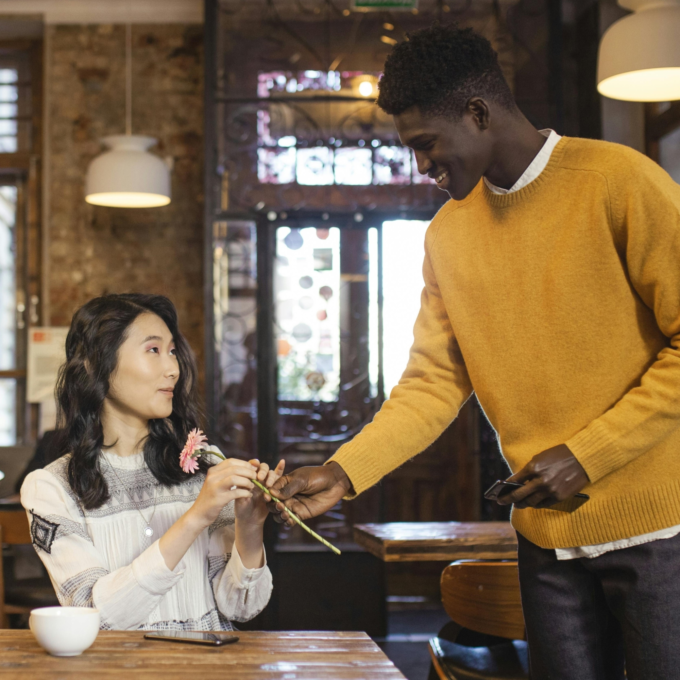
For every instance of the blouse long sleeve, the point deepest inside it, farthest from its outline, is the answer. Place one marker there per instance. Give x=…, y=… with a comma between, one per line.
x=240, y=593
x=125, y=597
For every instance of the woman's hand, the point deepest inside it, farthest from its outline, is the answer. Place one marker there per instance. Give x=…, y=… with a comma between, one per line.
x=228, y=481
x=253, y=509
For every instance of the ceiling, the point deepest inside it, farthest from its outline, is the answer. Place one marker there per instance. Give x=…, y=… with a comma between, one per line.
x=102, y=11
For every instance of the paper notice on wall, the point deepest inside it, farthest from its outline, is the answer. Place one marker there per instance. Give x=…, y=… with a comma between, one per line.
x=46, y=354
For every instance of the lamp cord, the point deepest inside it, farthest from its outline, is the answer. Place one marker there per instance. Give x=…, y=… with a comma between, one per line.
x=128, y=79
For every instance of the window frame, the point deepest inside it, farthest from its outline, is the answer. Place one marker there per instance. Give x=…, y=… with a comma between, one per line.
x=24, y=167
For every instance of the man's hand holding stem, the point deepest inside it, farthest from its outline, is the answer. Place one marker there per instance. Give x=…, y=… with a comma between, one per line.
x=309, y=492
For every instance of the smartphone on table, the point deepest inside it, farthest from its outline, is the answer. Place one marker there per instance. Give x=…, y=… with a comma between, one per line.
x=501, y=488
x=193, y=637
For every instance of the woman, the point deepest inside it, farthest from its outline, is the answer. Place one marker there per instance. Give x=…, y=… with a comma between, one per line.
x=115, y=520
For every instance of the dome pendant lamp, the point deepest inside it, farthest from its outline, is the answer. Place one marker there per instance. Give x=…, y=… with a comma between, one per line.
x=639, y=57
x=127, y=175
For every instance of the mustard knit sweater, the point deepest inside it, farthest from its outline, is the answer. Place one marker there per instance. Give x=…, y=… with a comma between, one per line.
x=559, y=305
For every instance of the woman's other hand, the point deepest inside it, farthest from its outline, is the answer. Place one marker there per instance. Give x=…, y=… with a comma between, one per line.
x=228, y=481
x=253, y=509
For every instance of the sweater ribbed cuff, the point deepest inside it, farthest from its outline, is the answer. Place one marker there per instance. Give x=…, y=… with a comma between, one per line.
x=362, y=467
x=596, y=452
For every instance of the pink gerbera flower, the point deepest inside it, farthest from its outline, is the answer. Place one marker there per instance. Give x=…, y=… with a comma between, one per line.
x=191, y=450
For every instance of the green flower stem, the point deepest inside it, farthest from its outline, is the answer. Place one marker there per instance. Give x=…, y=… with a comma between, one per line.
x=274, y=498
x=296, y=518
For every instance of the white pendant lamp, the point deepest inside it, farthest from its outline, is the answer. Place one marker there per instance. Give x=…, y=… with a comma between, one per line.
x=128, y=176
x=639, y=57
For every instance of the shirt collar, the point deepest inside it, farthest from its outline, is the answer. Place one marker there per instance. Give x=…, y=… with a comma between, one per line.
x=535, y=168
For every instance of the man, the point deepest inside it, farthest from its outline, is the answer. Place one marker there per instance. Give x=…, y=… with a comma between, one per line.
x=552, y=289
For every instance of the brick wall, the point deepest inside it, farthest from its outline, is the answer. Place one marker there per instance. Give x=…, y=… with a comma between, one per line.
x=93, y=250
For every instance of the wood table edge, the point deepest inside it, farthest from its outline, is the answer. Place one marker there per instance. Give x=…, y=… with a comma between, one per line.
x=393, y=551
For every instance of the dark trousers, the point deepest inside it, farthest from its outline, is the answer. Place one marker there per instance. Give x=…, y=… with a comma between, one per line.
x=585, y=616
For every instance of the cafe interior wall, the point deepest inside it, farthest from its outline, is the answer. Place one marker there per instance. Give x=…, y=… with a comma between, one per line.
x=92, y=250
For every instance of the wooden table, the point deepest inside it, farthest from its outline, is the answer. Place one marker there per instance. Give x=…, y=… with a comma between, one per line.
x=438, y=541
x=257, y=655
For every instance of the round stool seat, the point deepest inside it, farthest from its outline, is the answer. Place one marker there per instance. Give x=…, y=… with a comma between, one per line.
x=504, y=661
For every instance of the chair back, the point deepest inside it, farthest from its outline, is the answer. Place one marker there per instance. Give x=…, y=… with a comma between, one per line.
x=15, y=527
x=13, y=461
x=14, y=530
x=484, y=597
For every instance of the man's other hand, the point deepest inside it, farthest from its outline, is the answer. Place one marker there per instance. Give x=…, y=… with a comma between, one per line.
x=309, y=492
x=550, y=477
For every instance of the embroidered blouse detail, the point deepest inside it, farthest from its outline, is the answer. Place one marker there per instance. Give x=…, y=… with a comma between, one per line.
x=101, y=558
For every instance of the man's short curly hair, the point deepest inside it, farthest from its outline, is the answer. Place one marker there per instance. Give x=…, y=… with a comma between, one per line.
x=439, y=69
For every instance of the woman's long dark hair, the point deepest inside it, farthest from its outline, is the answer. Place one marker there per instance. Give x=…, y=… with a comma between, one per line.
x=98, y=329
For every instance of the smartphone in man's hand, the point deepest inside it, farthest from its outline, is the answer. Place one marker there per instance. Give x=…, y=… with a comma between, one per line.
x=501, y=487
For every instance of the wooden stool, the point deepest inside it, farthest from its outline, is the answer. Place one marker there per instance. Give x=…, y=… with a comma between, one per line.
x=21, y=595
x=482, y=597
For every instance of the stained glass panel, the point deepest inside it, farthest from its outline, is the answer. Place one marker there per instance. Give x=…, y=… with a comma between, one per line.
x=321, y=133
x=276, y=166
x=353, y=166
x=314, y=166
x=392, y=165
x=307, y=312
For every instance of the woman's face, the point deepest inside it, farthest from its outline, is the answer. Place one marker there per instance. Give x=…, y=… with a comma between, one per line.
x=143, y=382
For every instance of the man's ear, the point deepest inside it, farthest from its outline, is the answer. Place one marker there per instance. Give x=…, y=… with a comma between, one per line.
x=479, y=110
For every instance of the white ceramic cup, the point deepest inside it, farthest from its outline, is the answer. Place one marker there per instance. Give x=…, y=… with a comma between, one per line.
x=64, y=631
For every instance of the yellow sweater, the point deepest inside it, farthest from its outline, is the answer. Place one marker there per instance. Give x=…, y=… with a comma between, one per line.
x=559, y=305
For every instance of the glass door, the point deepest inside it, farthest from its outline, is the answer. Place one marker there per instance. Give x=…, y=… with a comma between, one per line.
x=346, y=296
x=326, y=284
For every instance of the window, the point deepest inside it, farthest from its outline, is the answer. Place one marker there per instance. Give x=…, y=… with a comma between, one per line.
x=19, y=231
x=8, y=414
x=9, y=109
x=303, y=140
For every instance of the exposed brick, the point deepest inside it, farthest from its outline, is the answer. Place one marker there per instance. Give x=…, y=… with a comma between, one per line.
x=95, y=250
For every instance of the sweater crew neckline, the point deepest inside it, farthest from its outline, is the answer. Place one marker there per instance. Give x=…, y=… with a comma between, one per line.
x=515, y=197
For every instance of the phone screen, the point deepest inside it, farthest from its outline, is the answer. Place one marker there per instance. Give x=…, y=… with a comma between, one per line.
x=195, y=637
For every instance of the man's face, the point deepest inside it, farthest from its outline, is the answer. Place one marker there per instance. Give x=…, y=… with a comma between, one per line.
x=455, y=153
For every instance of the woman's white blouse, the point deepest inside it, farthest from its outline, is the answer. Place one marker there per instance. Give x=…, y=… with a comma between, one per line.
x=101, y=558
